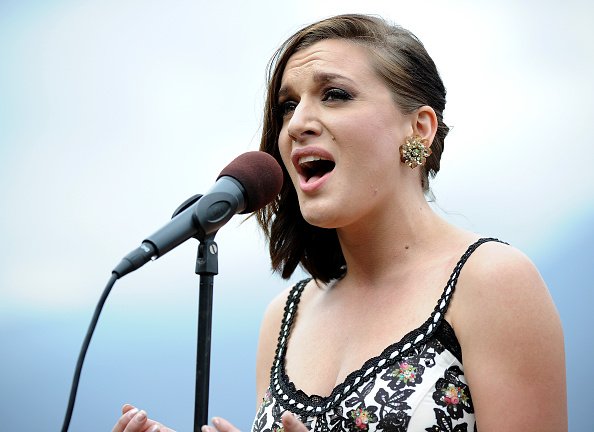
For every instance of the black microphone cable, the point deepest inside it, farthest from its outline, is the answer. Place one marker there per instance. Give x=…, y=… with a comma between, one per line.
x=83, y=351
x=247, y=184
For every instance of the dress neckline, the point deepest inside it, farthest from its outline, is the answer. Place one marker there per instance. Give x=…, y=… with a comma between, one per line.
x=301, y=403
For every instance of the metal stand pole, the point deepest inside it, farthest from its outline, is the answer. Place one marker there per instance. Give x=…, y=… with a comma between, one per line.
x=207, y=266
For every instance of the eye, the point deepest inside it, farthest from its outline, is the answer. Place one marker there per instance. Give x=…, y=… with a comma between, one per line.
x=285, y=108
x=335, y=94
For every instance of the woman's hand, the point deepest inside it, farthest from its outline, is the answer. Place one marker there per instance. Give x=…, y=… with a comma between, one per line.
x=133, y=420
x=290, y=424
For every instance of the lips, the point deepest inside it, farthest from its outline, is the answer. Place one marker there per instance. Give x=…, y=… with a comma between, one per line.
x=312, y=165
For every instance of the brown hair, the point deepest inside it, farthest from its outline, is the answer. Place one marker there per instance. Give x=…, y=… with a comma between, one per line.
x=401, y=60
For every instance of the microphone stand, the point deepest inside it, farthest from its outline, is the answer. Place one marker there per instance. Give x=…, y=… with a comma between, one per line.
x=207, y=266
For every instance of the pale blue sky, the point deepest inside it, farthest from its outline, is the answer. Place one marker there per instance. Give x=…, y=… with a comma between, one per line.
x=113, y=112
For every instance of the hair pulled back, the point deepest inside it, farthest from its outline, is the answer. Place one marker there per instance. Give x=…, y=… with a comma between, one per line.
x=400, y=59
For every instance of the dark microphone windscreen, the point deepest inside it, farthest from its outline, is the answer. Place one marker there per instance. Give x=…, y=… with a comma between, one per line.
x=260, y=175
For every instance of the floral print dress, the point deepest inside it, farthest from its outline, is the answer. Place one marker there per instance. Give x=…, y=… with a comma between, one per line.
x=415, y=384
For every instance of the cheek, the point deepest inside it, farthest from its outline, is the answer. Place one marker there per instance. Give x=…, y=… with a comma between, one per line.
x=284, y=148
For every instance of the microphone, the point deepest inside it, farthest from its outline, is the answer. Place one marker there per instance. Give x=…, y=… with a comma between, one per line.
x=247, y=184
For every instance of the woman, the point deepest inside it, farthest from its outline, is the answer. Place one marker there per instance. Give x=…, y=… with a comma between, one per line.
x=377, y=340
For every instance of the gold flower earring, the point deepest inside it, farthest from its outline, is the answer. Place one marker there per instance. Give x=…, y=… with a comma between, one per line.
x=414, y=151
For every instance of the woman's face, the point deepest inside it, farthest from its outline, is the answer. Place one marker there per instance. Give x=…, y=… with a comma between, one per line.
x=340, y=135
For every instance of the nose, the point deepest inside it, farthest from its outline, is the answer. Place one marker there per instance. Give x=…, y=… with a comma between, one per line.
x=304, y=122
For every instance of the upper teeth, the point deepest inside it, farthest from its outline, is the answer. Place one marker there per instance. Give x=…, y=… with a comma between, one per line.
x=306, y=159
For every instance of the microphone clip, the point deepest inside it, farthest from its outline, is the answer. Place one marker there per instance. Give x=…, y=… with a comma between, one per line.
x=207, y=260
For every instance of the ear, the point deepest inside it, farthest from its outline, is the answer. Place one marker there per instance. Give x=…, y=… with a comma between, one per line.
x=425, y=123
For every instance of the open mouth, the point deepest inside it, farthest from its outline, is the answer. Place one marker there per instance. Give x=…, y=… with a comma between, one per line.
x=314, y=167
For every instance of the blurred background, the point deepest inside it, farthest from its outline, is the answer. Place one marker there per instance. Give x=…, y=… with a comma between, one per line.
x=114, y=112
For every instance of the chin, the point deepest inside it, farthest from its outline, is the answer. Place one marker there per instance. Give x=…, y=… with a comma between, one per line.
x=320, y=217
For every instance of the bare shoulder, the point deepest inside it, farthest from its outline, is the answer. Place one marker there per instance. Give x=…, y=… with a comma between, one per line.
x=502, y=279
x=511, y=338
x=501, y=297
x=274, y=312
x=269, y=331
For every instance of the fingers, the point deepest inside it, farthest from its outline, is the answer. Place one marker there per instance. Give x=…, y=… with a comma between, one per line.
x=220, y=425
x=133, y=420
x=128, y=413
x=292, y=423
x=127, y=407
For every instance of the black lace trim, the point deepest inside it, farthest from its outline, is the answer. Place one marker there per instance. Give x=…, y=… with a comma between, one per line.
x=298, y=402
x=446, y=335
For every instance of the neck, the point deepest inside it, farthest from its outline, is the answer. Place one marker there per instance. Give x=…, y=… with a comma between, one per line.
x=387, y=243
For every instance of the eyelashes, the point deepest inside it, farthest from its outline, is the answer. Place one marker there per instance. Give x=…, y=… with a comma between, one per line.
x=285, y=108
x=334, y=94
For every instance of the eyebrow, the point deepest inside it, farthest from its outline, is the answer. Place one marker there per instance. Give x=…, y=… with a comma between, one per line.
x=324, y=77
x=318, y=77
